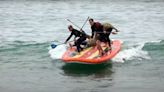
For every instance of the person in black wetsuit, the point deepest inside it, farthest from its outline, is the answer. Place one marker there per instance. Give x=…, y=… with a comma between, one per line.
x=81, y=37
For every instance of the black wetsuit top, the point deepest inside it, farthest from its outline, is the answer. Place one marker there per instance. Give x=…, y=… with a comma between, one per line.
x=76, y=33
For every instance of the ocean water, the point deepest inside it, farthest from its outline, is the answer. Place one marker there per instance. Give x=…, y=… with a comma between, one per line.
x=27, y=28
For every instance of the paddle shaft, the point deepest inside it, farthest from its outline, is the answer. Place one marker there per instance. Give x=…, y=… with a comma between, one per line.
x=77, y=25
x=73, y=23
x=84, y=23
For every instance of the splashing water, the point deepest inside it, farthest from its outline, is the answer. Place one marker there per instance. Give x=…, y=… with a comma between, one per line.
x=57, y=52
x=135, y=52
x=132, y=53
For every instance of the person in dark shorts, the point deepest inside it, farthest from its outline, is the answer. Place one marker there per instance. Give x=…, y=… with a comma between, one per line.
x=101, y=32
x=107, y=30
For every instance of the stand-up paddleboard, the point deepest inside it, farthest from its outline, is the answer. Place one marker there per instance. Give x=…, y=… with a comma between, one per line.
x=90, y=55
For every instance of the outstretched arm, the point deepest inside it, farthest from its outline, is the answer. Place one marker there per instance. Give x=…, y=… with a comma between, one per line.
x=68, y=38
x=116, y=30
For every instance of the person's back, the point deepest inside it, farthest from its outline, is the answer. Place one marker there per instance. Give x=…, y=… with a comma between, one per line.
x=107, y=29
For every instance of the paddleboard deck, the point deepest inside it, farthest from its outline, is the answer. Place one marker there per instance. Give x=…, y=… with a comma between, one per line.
x=90, y=55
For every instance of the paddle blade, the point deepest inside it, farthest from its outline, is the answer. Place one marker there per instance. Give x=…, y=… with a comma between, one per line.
x=53, y=46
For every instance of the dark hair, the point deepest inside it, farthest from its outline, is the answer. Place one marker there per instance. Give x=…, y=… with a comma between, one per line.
x=70, y=26
x=91, y=19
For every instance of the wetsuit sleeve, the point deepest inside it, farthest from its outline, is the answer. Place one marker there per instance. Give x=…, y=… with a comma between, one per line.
x=92, y=35
x=69, y=37
x=92, y=32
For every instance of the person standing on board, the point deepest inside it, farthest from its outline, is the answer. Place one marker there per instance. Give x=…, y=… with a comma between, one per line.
x=101, y=32
x=107, y=30
x=80, y=35
x=97, y=34
x=96, y=27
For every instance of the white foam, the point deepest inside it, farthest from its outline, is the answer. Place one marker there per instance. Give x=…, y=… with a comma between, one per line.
x=57, y=52
x=131, y=53
x=156, y=41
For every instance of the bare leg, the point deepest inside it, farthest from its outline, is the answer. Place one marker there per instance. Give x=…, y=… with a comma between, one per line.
x=99, y=47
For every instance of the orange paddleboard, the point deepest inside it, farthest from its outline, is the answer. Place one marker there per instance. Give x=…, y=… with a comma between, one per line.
x=90, y=55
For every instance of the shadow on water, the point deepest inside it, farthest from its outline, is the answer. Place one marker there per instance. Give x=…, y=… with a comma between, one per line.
x=98, y=70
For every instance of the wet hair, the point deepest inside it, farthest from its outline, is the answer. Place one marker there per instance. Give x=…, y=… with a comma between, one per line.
x=70, y=26
x=91, y=19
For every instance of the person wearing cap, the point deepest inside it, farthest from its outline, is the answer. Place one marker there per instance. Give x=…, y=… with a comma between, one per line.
x=80, y=35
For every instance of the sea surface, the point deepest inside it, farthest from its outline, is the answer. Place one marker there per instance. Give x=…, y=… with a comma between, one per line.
x=28, y=27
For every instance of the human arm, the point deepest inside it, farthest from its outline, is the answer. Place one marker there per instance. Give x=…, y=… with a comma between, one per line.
x=116, y=30
x=93, y=29
x=68, y=38
x=92, y=35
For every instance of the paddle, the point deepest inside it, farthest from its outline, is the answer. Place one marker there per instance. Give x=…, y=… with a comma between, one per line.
x=55, y=45
x=77, y=25
x=81, y=29
x=84, y=23
x=73, y=23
